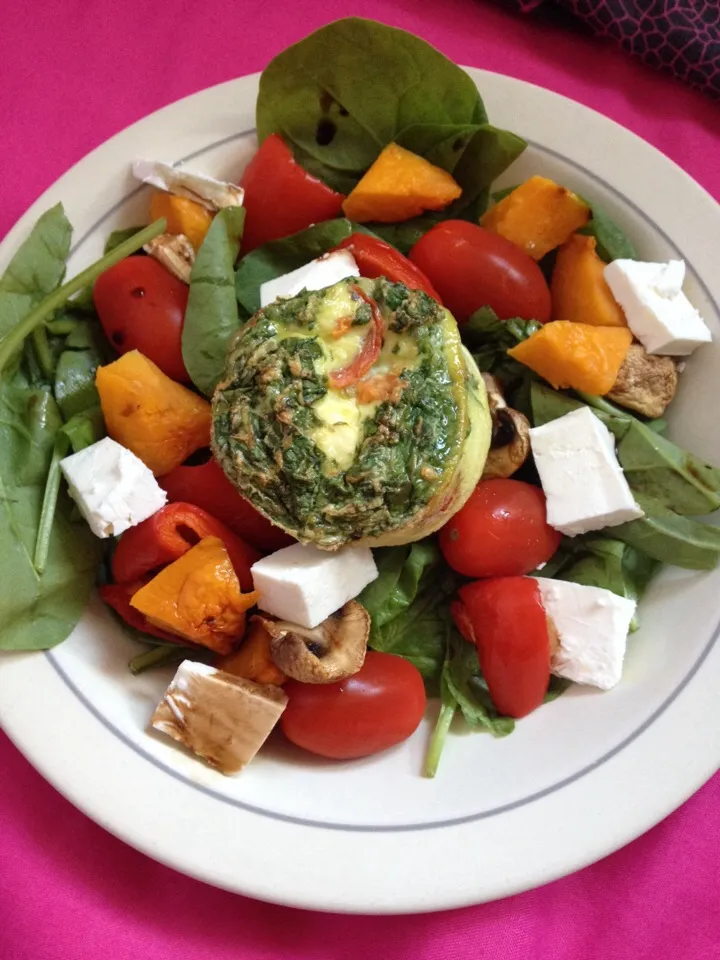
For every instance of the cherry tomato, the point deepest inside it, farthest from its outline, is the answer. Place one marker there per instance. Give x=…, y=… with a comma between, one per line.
x=206, y=486
x=282, y=198
x=141, y=306
x=375, y=258
x=379, y=706
x=506, y=620
x=472, y=267
x=502, y=531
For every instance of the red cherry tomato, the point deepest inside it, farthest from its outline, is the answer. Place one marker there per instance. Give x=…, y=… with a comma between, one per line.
x=472, y=267
x=282, y=198
x=379, y=706
x=502, y=531
x=375, y=258
x=141, y=306
x=206, y=486
x=506, y=620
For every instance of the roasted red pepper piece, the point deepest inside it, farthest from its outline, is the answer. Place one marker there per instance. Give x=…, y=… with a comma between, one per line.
x=280, y=197
x=169, y=534
x=375, y=258
x=207, y=487
x=117, y=596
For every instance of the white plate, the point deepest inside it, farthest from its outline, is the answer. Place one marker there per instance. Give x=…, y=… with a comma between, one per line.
x=578, y=779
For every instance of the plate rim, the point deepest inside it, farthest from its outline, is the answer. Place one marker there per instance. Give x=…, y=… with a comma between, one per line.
x=18, y=668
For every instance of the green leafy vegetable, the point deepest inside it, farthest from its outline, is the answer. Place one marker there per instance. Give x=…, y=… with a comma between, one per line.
x=612, y=241
x=670, y=538
x=281, y=256
x=341, y=95
x=160, y=656
x=408, y=605
x=211, y=317
x=469, y=688
x=657, y=468
x=39, y=264
x=37, y=611
x=24, y=326
x=548, y=404
x=598, y=561
x=120, y=236
x=489, y=338
x=448, y=706
x=403, y=235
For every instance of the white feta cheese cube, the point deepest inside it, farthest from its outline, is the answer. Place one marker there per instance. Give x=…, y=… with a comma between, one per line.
x=580, y=474
x=305, y=585
x=112, y=487
x=210, y=193
x=592, y=626
x=657, y=311
x=223, y=718
x=316, y=275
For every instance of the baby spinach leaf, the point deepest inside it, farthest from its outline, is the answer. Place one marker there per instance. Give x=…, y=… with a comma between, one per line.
x=556, y=687
x=475, y=154
x=120, y=236
x=75, y=382
x=39, y=264
x=670, y=538
x=281, y=256
x=404, y=235
x=469, y=688
x=612, y=241
x=489, y=338
x=343, y=93
x=598, y=561
x=408, y=604
x=657, y=468
x=211, y=316
x=37, y=611
x=548, y=404
x=42, y=311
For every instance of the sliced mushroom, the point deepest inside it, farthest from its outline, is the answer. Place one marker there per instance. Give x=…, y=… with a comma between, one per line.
x=173, y=251
x=510, y=443
x=329, y=652
x=645, y=383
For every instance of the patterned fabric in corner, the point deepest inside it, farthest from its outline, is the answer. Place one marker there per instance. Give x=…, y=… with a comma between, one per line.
x=680, y=36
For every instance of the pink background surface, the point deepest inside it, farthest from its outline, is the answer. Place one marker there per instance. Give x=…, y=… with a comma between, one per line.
x=72, y=74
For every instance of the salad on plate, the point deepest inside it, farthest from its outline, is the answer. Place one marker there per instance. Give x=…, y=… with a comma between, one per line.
x=358, y=432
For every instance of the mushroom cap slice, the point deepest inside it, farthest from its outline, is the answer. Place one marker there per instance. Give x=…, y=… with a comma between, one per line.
x=333, y=650
x=510, y=442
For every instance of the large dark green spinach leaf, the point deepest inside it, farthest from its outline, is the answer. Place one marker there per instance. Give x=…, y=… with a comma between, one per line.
x=343, y=93
x=37, y=611
x=612, y=241
x=278, y=257
x=671, y=538
x=211, y=317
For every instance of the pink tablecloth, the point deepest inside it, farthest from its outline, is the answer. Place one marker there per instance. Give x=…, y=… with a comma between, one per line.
x=73, y=72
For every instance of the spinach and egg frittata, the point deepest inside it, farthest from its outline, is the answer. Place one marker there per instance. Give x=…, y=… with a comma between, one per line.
x=352, y=414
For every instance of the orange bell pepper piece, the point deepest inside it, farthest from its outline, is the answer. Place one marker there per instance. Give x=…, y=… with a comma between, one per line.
x=198, y=597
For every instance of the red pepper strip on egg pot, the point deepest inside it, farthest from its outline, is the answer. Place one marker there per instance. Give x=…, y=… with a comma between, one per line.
x=168, y=534
x=368, y=353
x=280, y=197
x=206, y=486
x=375, y=258
x=505, y=619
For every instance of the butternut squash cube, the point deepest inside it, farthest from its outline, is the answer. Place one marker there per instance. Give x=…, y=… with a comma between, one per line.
x=253, y=660
x=538, y=216
x=198, y=597
x=575, y=355
x=182, y=215
x=400, y=185
x=578, y=287
x=161, y=421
